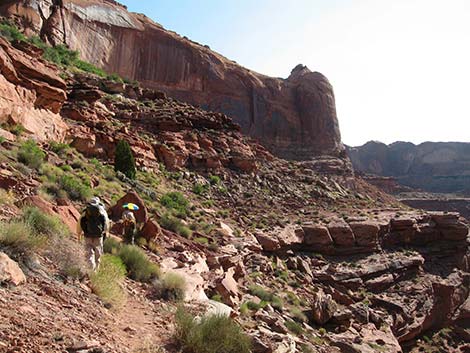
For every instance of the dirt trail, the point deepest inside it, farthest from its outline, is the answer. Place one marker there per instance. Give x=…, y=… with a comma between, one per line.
x=141, y=323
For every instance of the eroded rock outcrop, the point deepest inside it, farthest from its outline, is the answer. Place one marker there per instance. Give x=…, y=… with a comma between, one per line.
x=295, y=117
x=363, y=235
x=31, y=92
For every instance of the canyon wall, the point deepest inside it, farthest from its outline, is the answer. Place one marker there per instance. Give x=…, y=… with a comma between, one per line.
x=295, y=117
x=431, y=166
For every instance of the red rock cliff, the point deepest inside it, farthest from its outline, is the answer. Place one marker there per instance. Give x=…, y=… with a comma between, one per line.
x=293, y=117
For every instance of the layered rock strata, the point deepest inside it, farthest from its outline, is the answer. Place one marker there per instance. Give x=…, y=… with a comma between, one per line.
x=294, y=117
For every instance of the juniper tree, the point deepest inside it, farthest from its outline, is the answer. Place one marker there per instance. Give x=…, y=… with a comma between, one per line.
x=124, y=160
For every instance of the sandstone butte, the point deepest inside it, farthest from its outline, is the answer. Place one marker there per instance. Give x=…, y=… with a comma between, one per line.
x=294, y=118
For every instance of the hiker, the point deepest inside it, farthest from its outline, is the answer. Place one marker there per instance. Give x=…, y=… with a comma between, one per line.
x=94, y=225
x=129, y=223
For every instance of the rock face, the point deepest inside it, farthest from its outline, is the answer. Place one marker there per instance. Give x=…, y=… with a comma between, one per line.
x=294, y=117
x=31, y=93
x=430, y=166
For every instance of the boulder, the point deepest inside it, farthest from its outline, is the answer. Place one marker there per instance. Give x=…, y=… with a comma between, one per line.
x=291, y=236
x=116, y=211
x=366, y=233
x=268, y=243
x=66, y=212
x=316, y=235
x=151, y=230
x=341, y=233
x=323, y=308
x=228, y=288
x=10, y=272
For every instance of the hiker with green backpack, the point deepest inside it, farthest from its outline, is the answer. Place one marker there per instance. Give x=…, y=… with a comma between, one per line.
x=94, y=224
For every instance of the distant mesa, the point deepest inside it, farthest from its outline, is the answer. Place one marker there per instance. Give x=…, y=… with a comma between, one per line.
x=430, y=166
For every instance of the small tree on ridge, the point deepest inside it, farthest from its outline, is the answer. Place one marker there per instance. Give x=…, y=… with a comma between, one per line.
x=124, y=160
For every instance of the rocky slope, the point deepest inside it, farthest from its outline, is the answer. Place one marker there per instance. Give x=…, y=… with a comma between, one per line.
x=294, y=118
x=304, y=259
x=434, y=167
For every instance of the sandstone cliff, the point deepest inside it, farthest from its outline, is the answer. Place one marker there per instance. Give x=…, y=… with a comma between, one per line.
x=294, y=117
x=430, y=166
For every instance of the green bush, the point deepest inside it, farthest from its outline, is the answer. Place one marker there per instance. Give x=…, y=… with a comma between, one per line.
x=111, y=246
x=176, y=202
x=139, y=267
x=210, y=334
x=214, y=180
x=42, y=223
x=260, y=292
x=115, y=77
x=17, y=129
x=20, y=239
x=10, y=32
x=266, y=296
x=124, y=160
x=61, y=55
x=256, y=306
x=106, y=282
x=200, y=189
x=87, y=67
x=59, y=147
x=294, y=327
x=75, y=188
x=31, y=154
x=172, y=223
x=298, y=315
x=171, y=287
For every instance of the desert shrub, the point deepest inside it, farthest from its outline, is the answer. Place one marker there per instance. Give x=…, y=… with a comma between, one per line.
x=44, y=224
x=75, y=188
x=266, y=296
x=276, y=302
x=115, y=77
x=298, y=315
x=10, y=32
x=18, y=237
x=170, y=287
x=6, y=197
x=17, y=129
x=200, y=189
x=106, y=282
x=59, y=147
x=139, y=267
x=124, y=160
x=111, y=246
x=294, y=327
x=2, y=139
x=61, y=55
x=214, y=180
x=87, y=67
x=31, y=154
x=172, y=223
x=210, y=334
x=176, y=202
x=260, y=292
x=256, y=306
x=68, y=255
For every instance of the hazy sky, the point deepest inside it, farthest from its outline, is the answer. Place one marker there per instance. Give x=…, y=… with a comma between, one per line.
x=400, y=68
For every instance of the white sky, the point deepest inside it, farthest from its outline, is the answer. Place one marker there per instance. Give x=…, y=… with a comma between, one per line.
x=400, y=68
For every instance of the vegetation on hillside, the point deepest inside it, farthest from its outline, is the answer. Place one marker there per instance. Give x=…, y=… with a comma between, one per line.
x=59, y=54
